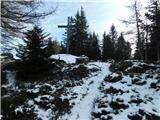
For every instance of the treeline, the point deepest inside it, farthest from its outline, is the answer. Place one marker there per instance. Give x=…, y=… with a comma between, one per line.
x=80, y=41
x=147, y=36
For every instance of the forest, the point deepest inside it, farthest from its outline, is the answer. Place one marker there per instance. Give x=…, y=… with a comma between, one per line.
x=82, y=76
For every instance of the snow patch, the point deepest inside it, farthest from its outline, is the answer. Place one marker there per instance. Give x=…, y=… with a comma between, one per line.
x=87, y=94
x=70, y=59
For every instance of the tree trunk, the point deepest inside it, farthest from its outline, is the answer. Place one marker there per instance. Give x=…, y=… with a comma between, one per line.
x=138, y=32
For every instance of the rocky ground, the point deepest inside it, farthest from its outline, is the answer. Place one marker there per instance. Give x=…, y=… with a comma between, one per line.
x=127, y=90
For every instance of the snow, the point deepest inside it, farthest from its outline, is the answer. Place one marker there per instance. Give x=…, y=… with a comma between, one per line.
x=2, y=58
x=19, y=109
x=84, y=97
x=43, y=114
x=11, y=78
x=70, y=59
x=1, y=116
x=143, y=92
x=87, y=94
x=38, y=99
x=30, y=102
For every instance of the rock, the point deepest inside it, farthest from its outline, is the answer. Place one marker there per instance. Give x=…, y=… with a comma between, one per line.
x=113, y=90
x=61, y=105
x=104, y=112
x=141, y=68
x=141, y=112
x=113, y=79
x=149, y=76
x=119, y=100
x=96, y=115
x=82, y=59
x=136, y=100
x=117, y=78
x=45, y=89
x=153, y=85
x=135, y=69
x=79, y=72
x=158, y=77
x=147, y=67
x=152, y=117
x=102, y=104
x=137, y=81
x=148, y=116
x=117, y=105
x=135, y=117
x=120, y=66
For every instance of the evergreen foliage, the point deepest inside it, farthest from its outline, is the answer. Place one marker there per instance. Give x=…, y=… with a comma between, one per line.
x=94, y=52
x=123, y=49
x=108, y=47
x=153, y=15
x=53, y=47
x=78, y=35
x=34, y=56
x=113, y=34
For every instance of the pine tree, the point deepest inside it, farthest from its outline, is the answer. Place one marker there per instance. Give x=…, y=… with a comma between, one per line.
x=33, y=55
x=108, y=47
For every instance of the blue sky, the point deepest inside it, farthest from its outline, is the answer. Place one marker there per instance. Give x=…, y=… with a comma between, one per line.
x=100, y=15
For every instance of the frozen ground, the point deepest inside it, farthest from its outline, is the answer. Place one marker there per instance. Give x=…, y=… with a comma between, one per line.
x=127, y=91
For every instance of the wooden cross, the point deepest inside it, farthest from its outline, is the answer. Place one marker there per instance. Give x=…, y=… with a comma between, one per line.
x=68, y=26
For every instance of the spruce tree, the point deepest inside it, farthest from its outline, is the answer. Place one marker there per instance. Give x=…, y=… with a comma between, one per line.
x=53, y=47
x=108, y=47
x=113, y=34
x=78, y=34
x=128, y=50
x=114, y=38
x=34, y=57
x=122, y=50
x=94, y=51
x=81, y=33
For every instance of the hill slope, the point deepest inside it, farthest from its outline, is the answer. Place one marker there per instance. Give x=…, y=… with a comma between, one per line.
x=128, y=90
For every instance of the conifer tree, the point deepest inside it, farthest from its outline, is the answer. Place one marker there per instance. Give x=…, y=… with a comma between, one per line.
x=53, y=47
x=108, y=47
x=78, y=36
x=94, y=51
x=114, y=38
x=113, y=34
x=34, y=57
x=128, y=50
x=81, y=33
x=122, y=50
x=153, y=15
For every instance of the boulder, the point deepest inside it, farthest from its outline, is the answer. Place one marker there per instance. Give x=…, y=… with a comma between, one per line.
x=82, y=59
x=137, y=81
x=120, y=66
x=116, y=105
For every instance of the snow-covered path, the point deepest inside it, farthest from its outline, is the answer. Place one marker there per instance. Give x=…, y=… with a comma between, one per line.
x=87, y=93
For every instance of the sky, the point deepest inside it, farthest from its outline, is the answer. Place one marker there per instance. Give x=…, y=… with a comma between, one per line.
x=100, y=14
